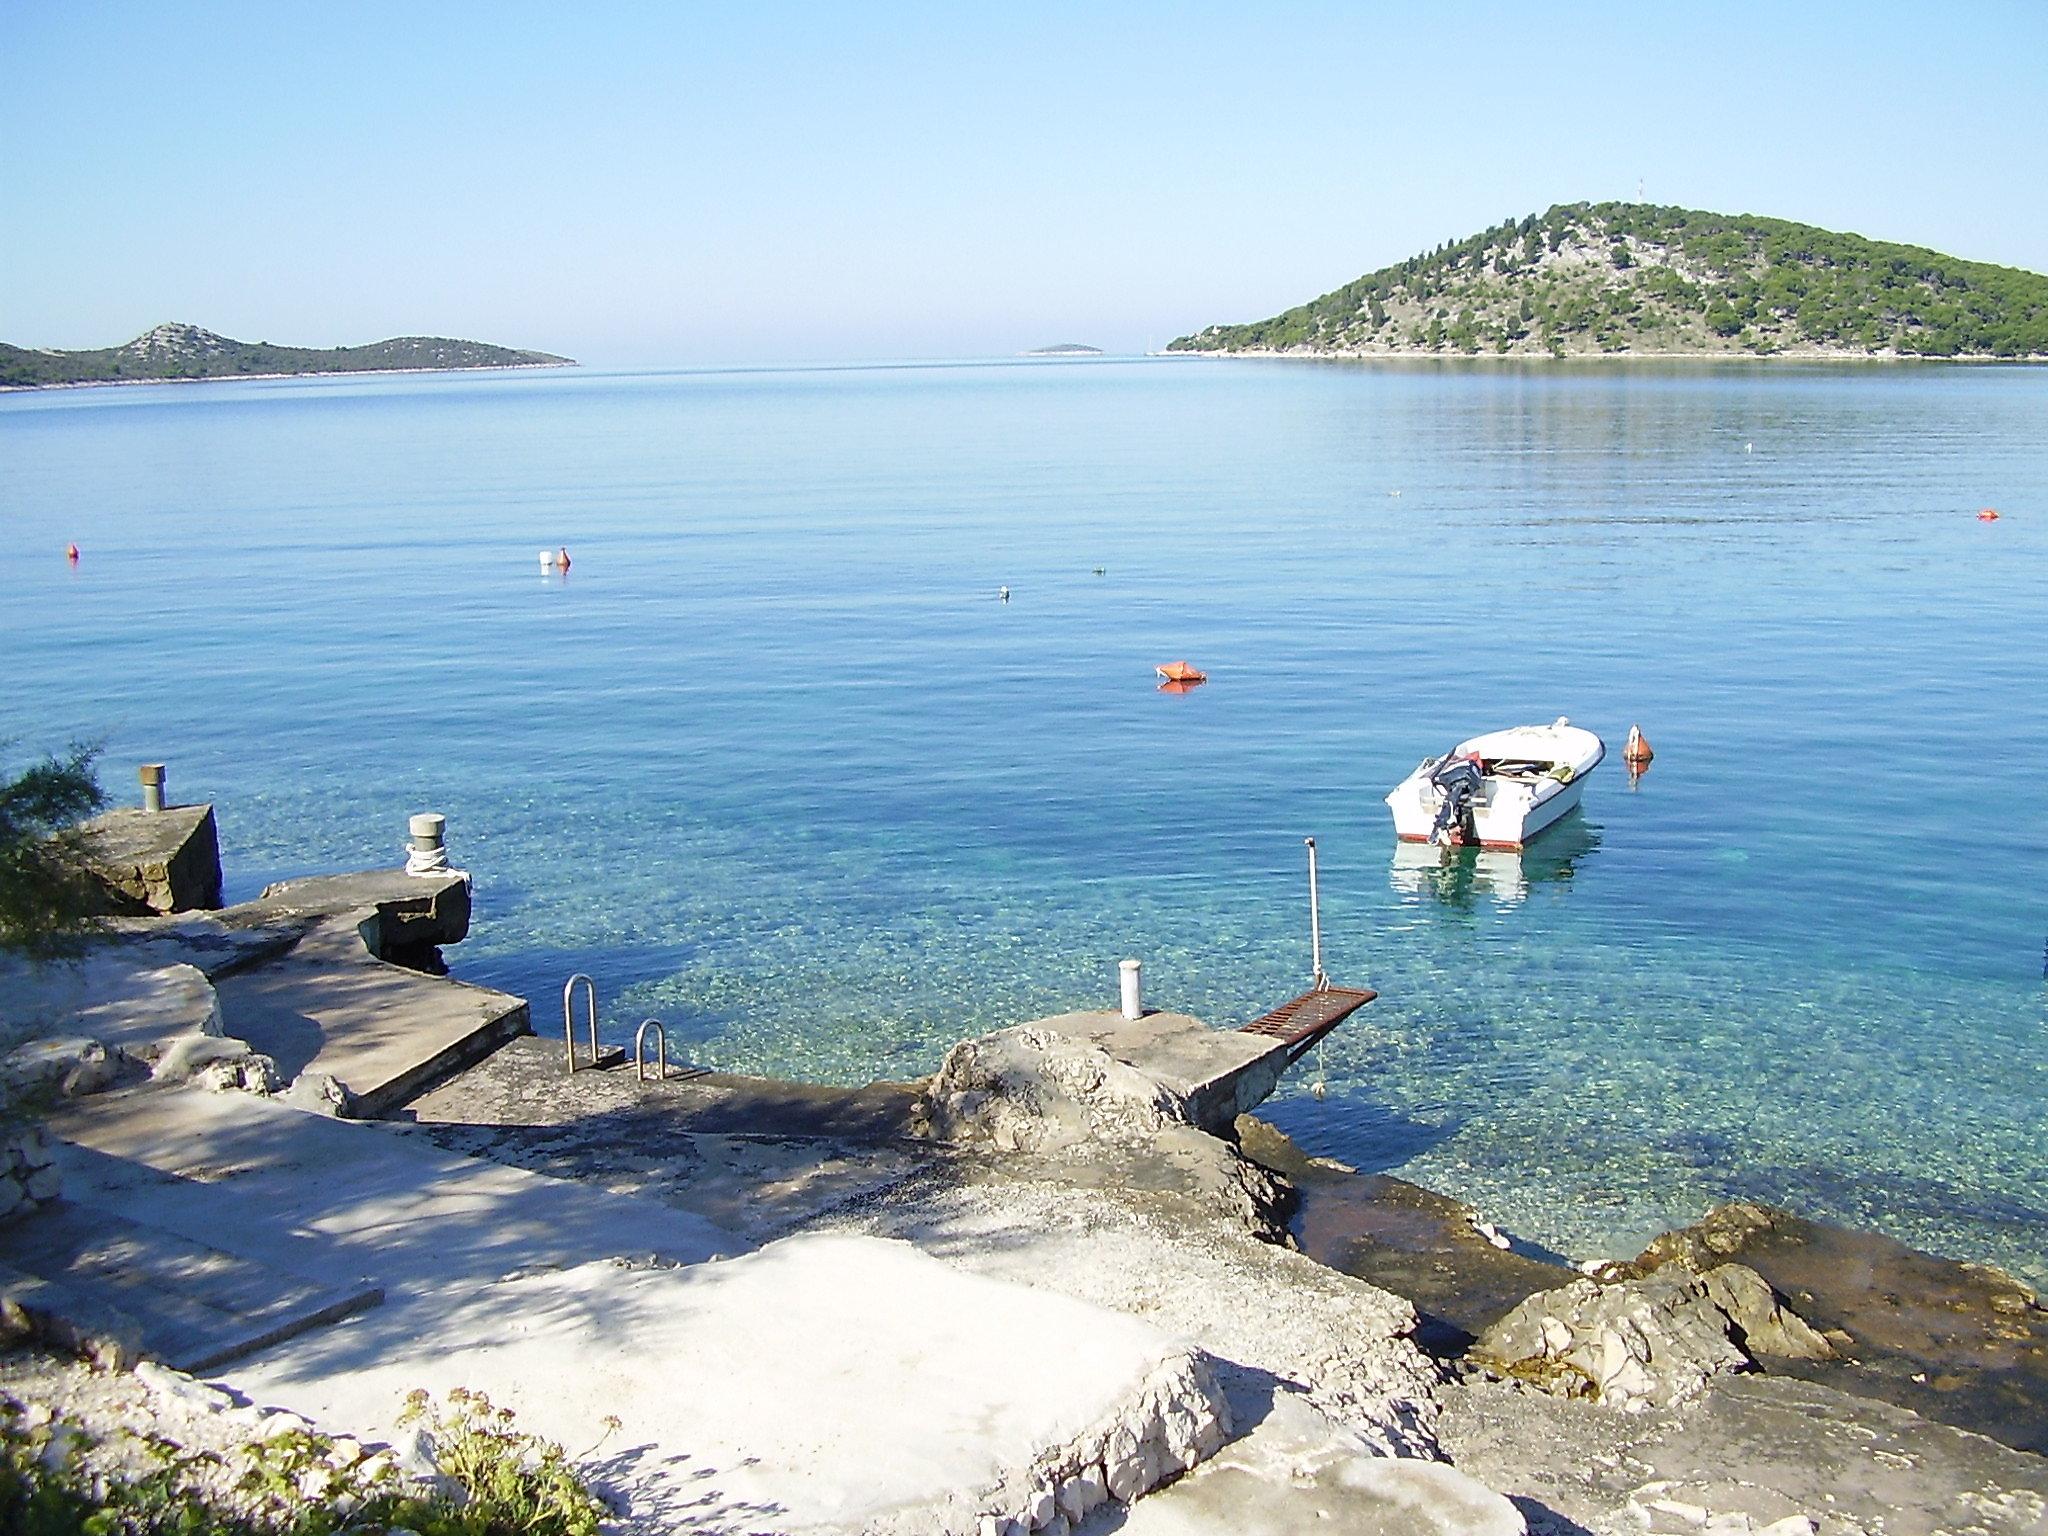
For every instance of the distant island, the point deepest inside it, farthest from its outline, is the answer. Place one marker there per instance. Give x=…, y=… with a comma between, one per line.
x=187, y=352
x=1065, y=349
x=1637, y=279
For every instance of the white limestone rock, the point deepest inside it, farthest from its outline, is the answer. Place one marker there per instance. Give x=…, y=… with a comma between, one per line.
x=29, y=1176
x=1031, y=1090
x=1765, y=1325
x=320, y=1093
x=73, y=1066
x=181, y=1388
x=1649, y=1342
x=1297, y=1471
x=184, y=1057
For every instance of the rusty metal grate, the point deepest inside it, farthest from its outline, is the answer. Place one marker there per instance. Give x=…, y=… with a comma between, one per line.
x=1312, y=1015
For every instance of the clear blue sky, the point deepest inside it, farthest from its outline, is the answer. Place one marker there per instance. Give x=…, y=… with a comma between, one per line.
x=675, y=183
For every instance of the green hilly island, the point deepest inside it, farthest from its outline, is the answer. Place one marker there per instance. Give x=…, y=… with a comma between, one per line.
x=187, y=352
x=1635, y=278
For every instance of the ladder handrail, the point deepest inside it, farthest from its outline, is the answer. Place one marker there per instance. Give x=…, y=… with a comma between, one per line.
x=660, y=1048
x=569, y=1016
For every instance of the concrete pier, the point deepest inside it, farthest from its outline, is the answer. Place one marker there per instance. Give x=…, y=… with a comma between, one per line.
x=155, y=861
x=1222, y=1073
x=340, y=1002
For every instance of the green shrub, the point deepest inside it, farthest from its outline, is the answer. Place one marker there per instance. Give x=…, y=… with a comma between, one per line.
x=499, y=1482
x=47, y=895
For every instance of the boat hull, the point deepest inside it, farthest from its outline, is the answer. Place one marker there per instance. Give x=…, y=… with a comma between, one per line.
x=1513, y=805
x=1497, y=827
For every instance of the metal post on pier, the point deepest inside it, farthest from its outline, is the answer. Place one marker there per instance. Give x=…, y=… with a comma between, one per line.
x=1315, y=919
x=152, y=776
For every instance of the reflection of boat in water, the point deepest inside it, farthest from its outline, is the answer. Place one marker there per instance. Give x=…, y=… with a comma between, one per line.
x=1455, y=875
x=1498, y=790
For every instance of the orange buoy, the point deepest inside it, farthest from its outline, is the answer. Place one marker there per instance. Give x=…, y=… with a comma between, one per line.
x=1988, y=515
x=71, y=553
x=1638, y=748
x=1181, y=672
x=562, y=560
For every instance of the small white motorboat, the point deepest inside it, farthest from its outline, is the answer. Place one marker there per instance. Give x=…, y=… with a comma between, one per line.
x=1497, y=790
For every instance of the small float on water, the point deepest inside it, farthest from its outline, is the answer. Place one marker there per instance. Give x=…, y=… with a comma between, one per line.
x=1181, y=672
x=1497, y=790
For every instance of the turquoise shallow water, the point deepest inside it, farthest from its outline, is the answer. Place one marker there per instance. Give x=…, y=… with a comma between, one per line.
x=774, y=764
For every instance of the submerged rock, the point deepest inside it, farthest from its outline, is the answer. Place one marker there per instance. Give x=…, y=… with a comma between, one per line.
x=1966, y=1344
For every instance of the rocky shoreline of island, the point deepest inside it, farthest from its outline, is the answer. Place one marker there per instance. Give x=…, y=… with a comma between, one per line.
x=312, y=373
x=1595, y=354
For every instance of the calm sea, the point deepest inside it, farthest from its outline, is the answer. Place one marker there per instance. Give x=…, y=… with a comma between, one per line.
x=775, y=764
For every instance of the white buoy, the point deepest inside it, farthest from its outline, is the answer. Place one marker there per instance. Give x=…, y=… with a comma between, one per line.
x=548, y=559
x=1131, y=974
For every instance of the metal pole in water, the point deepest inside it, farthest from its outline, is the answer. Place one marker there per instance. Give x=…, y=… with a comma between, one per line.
x=1132, y=973
x=1315, y=915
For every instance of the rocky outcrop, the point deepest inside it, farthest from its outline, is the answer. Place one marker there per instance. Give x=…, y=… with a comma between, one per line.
x=1648, y=1342
x=1764, y=1325
x=29, y=1178
x=1966, y=1344
x=1072, y=1109
x=1175, y=1420
x=1032, y=1090
x=64, y=1068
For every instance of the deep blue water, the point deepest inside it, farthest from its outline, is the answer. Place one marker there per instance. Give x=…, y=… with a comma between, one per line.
x=773, y=762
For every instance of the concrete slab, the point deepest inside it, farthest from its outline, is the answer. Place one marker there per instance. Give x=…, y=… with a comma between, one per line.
x=297, y=975
x=755, y=1156
x=186, y=1303
x=382, y=1031
x=828, y=1382
x=130, y=1001
x=1221, y=1073
x=402, y=917
x=528, y=1083
x=1749, y=1452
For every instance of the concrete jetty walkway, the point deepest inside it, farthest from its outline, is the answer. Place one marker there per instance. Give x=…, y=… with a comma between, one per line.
x=324, y=976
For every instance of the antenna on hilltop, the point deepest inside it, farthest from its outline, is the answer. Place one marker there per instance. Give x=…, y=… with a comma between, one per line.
x=1640, y=196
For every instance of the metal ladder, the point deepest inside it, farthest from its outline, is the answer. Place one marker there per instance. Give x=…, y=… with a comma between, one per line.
x=590, y=1029
x=660, y=1048
x=569, y=1017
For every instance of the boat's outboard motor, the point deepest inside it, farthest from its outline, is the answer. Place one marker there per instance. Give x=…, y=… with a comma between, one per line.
x=1457, y=781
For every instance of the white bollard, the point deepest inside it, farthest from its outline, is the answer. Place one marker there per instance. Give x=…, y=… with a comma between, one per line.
x=426, y=851
x=1132, y=976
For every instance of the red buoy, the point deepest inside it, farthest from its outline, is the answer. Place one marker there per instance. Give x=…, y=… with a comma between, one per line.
x=1638, y=748
x=71, y=553
x=1181, y=672
x=1988, y=515
x=562, y=560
